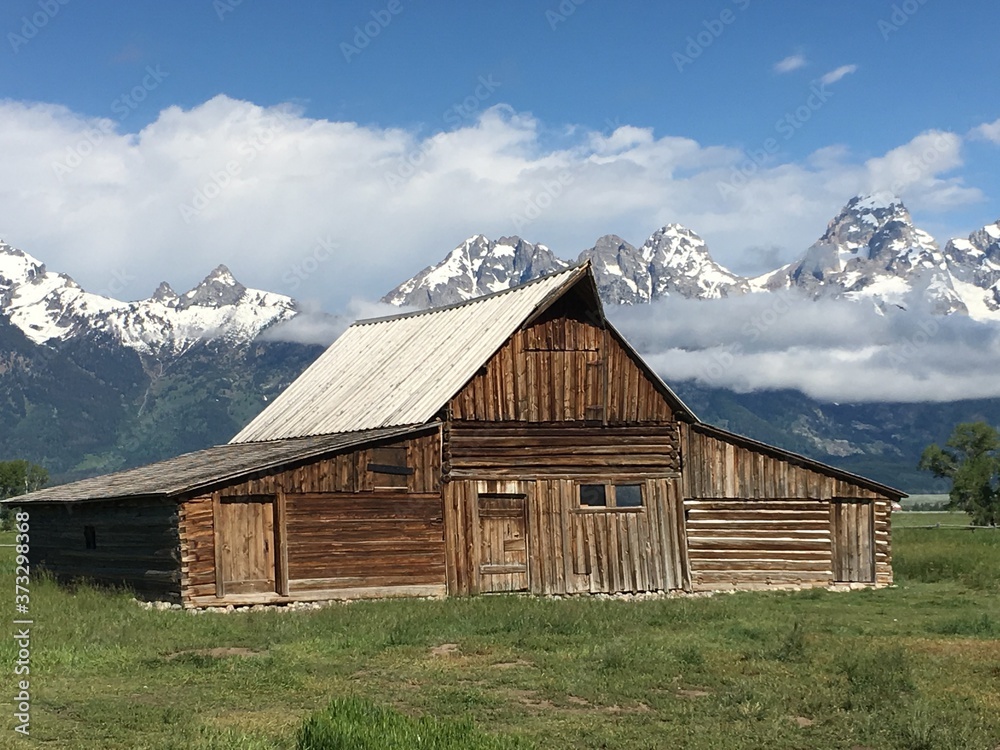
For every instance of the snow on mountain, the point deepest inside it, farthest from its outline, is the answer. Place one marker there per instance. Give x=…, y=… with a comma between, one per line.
x=872, y=251
x=621, y=272
x=680, y=264
x=673, y=261
x=51, y=307
x=975, y=266
x=476, y=267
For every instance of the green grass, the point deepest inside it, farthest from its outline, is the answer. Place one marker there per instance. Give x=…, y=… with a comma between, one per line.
x=910, y=667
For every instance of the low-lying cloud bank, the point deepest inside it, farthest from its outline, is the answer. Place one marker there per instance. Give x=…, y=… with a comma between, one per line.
x=832, y=350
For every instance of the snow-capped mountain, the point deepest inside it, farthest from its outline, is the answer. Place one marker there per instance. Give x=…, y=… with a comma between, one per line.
x=680, y=264
x=476, y=267
x=622, y=274
x=872, y=251
x=49, y=307
x=673, y=261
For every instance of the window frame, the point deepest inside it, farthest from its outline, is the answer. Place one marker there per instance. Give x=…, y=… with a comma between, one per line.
x=611, y=496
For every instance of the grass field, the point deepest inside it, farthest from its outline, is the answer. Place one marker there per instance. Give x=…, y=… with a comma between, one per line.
x=915, y=667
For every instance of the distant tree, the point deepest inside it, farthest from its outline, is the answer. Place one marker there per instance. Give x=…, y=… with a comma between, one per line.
x=971, y=459
x=20, y=476
x=16, y=478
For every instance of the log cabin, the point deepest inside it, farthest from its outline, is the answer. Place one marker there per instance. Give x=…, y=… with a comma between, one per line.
x=511, y=443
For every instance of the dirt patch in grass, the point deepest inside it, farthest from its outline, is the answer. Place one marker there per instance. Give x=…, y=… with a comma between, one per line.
x=445, y=649
x=221, y=652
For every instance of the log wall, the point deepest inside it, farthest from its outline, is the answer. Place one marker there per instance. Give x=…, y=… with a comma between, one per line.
x=134, y=543
x=353, y=508
x=340, y=541
x=756, y=519
x=489, y=451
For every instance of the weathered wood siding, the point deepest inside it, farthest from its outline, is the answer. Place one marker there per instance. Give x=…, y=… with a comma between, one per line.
x=570, y=549
x=343, y=541
x=483, y=450
x=564, y=401
x=755, y=519
x=135, y=544
x=562, y=368
x=334, y=509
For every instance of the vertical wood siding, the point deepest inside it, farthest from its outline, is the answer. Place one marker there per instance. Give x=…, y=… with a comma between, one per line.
x=572, y=549
x=562, y=369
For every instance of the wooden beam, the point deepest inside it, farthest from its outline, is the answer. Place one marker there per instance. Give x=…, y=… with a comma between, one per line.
x=281, y=544
x=220, y=585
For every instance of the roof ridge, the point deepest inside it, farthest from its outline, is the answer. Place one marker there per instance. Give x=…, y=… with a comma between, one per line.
x=416, y=313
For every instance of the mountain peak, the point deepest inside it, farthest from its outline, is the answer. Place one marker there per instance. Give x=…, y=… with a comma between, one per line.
x=164, y=293
x=680, y=263
x=475, y=267
x=17, y=267
x=874, y=202
x=217, y=289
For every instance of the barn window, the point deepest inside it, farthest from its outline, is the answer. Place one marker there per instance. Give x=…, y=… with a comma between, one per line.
x=89, y=537
x=611, y=495
x=388, y=468
x=593, y=495
x=628, y=495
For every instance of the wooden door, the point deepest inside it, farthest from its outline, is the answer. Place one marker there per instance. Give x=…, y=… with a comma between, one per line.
x=503, y=543
x=853, y=536
x=245, y=536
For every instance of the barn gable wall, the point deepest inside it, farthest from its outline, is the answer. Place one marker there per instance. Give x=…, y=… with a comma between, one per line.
x=756, y=519
x=562, y=367
x=339, y=528
x=131, y=544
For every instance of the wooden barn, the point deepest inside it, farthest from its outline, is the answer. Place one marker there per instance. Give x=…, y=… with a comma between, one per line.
x=514, y=442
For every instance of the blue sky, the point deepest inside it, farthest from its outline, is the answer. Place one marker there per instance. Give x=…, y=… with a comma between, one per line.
x=142, y=141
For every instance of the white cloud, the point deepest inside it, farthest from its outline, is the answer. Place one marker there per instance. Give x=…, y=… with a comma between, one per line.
x=989, y=131
x=329, y=210
x=790, y=63
x=831, y=350
x=837, y=73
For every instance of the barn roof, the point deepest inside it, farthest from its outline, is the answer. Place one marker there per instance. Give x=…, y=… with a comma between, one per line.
x=403, y=369
x=194, y=471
